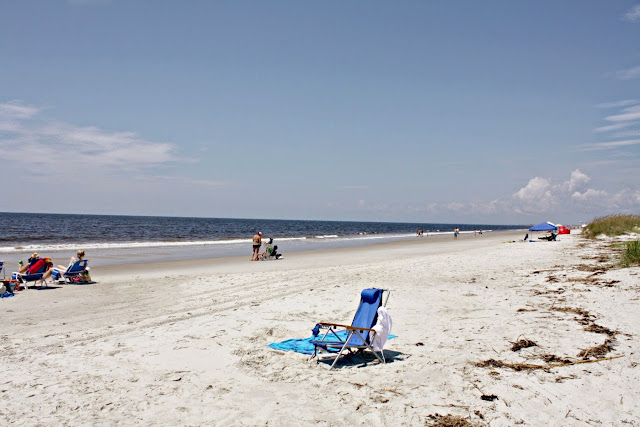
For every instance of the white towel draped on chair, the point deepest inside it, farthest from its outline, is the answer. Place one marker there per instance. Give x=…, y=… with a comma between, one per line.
x=382, y=328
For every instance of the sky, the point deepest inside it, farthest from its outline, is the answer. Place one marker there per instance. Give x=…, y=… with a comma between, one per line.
x=492, y=112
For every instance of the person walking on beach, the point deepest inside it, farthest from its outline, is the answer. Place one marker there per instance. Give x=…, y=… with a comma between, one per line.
x=257, y=242
x=455, y=233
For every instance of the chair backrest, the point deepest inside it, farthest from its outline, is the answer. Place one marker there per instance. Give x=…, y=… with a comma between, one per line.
x=37, y=265
x=367, y=313
x=2, y=267
x=77, y=267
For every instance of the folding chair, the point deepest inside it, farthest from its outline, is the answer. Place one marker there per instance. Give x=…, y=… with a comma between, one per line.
x=74, y=270
x=357, y=336
x=34, y=276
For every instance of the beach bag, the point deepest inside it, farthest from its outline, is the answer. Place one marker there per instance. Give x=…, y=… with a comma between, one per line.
x=85, y=276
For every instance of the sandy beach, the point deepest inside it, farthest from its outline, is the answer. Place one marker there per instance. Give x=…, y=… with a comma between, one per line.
x=184, y=343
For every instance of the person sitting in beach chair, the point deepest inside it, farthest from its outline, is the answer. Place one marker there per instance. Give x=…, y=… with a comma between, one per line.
x=550, y=237
x=36, y=270
x=270, y=252
x=267, y=249
x=76, y=271
x=274, y=253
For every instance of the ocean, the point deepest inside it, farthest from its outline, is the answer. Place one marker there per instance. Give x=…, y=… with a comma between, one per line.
x=109, y=239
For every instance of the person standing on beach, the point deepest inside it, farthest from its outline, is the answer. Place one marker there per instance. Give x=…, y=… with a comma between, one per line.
x=257, y=242
x=455, y=233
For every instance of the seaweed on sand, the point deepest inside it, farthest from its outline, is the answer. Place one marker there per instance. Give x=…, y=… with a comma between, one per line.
x=449, y=421
x=597, y=351
x=523, y=343
x=600, y=330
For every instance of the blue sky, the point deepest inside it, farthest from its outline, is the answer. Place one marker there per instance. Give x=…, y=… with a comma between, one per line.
x=469, y=112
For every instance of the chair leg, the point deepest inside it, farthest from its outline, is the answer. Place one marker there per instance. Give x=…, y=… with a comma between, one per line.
x=341, y=350
x=370, y=348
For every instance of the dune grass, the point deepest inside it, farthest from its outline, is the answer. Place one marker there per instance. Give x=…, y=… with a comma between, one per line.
x=612, y=225
x=631, y=255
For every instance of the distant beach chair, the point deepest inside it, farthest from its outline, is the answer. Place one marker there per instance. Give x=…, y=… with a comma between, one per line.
x=2, y=270
x=358, y=335
x=37, y=268
x=75, y=270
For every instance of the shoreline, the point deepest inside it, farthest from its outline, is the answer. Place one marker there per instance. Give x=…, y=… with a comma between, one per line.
x=164, y=254
x=185, y=342
x=303, y=258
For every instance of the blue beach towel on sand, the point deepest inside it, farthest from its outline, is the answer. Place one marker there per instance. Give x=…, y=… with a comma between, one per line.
x=303, y=345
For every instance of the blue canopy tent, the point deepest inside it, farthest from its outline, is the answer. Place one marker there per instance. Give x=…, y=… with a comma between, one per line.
x=543, y=226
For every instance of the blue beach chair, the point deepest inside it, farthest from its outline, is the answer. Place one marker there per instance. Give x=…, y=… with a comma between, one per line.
x=357, y=336
x=74, y=270
x=35, y=273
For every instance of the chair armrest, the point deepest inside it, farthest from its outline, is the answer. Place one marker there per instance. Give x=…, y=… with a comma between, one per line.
x=333, y=324
x=348, y=327
x=353, y=328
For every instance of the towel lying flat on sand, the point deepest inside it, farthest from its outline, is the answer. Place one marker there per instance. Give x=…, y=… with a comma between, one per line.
x=303, y=345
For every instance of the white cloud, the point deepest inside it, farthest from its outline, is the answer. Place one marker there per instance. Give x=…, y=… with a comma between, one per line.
x=590, y=195
x=56, y=144
x=629, y=113
x=536, y=188
x=633, y=15
x=626, y=199
x=628, y=116
x=615, y=126
x=608, y=145
x=618, y=104
x=540, y=196
x=578, y=180
x=15, y=111
x=627, y=133
x=456, y=206
x=629, y=74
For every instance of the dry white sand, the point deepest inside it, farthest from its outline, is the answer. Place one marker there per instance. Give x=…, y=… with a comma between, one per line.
x=185, y=344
